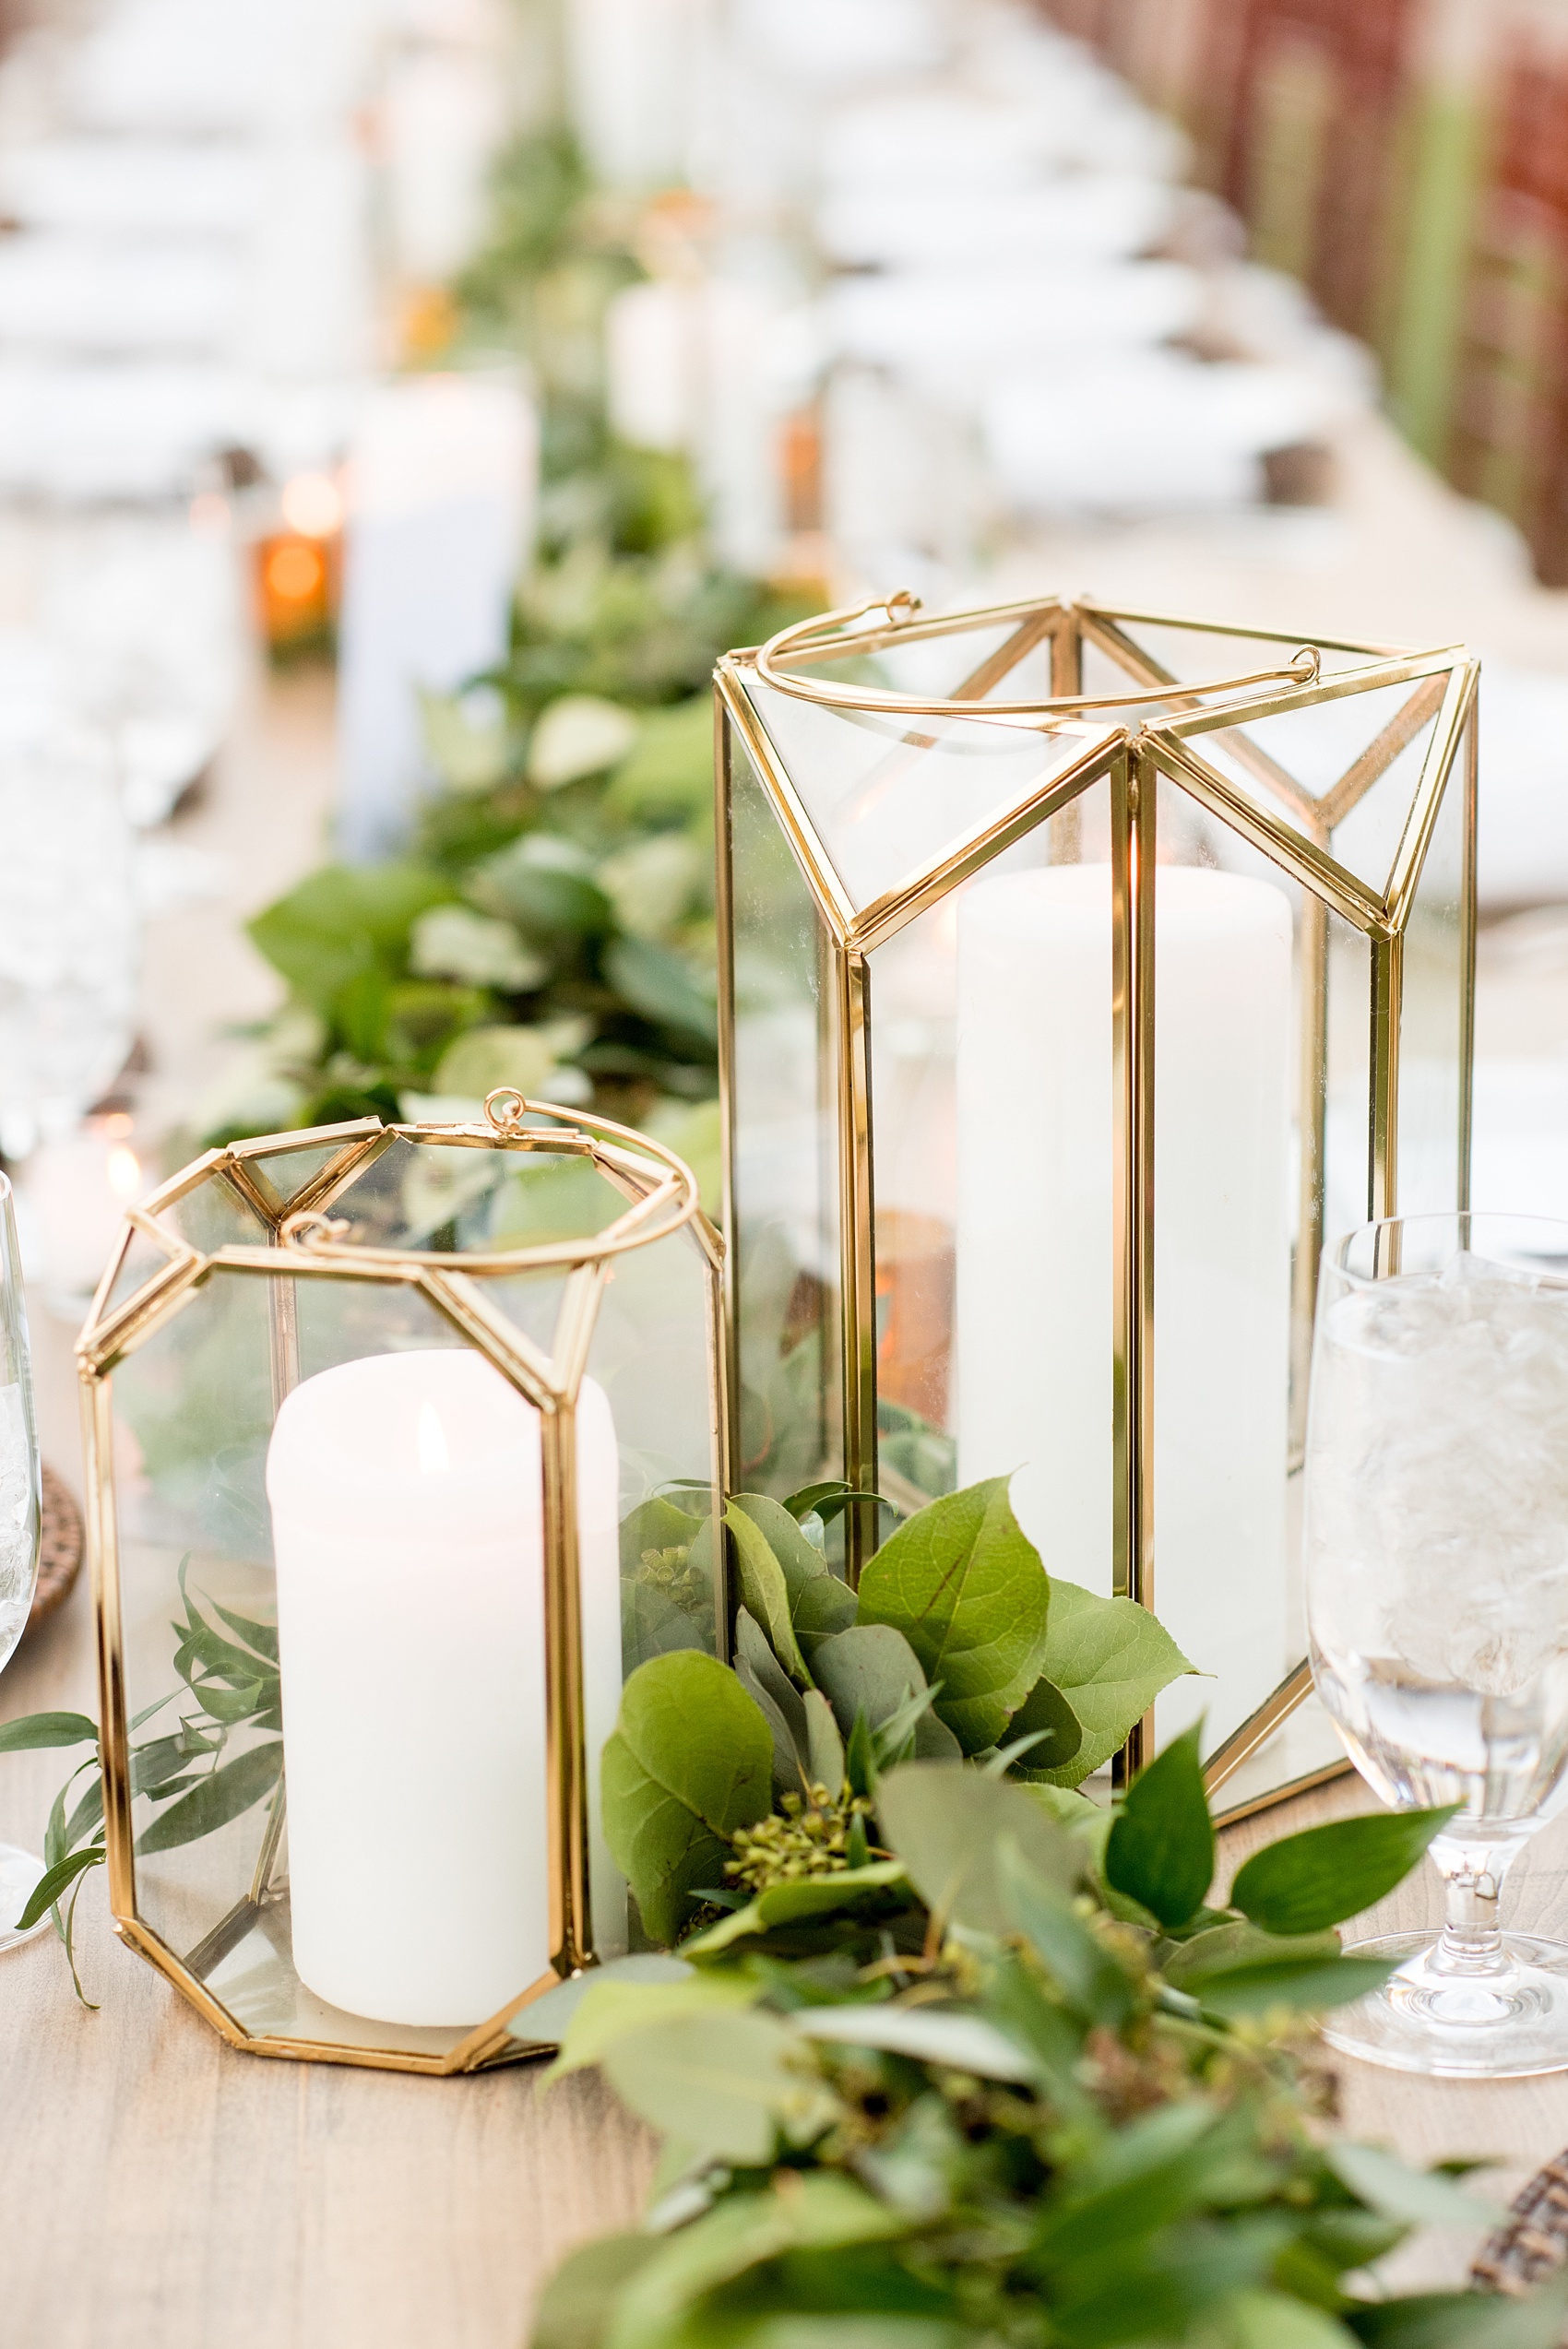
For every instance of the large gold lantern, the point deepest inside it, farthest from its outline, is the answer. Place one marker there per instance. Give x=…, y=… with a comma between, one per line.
x=1079, y=971
x=404, y=1446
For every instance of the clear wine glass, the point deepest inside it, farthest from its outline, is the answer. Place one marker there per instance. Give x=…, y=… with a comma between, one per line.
x=1436, y=1554
x=21, y=1522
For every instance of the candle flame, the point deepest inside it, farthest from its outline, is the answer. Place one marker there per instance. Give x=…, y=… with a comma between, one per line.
x=125, y=1172
x=434, y=1458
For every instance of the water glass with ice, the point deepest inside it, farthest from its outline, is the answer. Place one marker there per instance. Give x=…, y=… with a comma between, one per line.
x=1436, y=1563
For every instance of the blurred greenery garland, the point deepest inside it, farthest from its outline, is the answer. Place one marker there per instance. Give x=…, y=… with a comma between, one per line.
x=550, y=925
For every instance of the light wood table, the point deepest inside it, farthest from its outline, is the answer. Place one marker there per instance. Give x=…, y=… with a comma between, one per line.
x=159, y=2190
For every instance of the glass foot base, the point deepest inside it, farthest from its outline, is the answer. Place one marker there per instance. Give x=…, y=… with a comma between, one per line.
x=1505, y=2025
x=18, y=1873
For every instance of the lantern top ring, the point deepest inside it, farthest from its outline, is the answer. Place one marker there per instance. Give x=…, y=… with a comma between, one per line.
x=659, y=1189
x=827, y=635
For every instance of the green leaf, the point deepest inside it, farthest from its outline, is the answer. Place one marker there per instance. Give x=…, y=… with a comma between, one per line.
x=869, y=1669
x=654, y=1524
x=1308, y=1984
x=1233, y=1942
x=873, y=1889
x=942, y=2035
x=1463, y=2319
x=343, y=922
x=821, y=2210
x=765, y=1591
x=1160, y=1851
x=612, y=2008
x=828, y=1499
x=819, y=1604
x=825, y=1747
x=822, y=1609
x=1088, y=1978
x=860, y=1759
x=1110, y=1658
x=53, y=1882
x=35, y=1730
x=580, y=2298
x=690, y=1761
x=728, y=2086
x=1045, y=1709
x=1414, y=2197
x=1325, y=1874
x=1091, y=1820
x=657, y=984
x=789, y=1764
x=543, y=2022
x=965, y=1586
x=946, y=1823
x=800, y=1562
x=775, y=1694
x=1275, y=2320
x=86, y=1817
x=263, y=1637
x=536, y=882
x=216, y=1799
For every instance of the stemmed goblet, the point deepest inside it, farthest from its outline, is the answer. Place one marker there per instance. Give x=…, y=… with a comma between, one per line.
x=1436, y=1566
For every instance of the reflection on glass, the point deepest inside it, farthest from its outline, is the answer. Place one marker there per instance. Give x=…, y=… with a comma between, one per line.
x=786, y=1270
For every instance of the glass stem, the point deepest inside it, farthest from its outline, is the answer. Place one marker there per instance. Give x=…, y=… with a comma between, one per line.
x=1472, y=1877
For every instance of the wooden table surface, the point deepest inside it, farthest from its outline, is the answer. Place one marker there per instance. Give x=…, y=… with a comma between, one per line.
x=159, y=2190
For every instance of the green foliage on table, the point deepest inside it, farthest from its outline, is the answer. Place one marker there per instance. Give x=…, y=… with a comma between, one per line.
x=550, y=923
x=189, y=1775
x=1011, y=2079
x=952, y=2057
x=945, y=1649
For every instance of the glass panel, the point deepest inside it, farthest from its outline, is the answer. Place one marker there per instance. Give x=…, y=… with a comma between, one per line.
x=1228, y=1025
x=365, y=1576
x=785, y=1172
x=1201, y=654
x=140, y=1260
x=214, y=1214
x=1348, y=1099
x=1025, y=955
x=889, y=797
x=1429, y=1025
x=447, y=1197
x=281, y=1175
x=649, y=1367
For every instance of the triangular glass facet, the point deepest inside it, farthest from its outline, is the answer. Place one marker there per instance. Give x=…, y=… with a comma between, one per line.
x=889, y=796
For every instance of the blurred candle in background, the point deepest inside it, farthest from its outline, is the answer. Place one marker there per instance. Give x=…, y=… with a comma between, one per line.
x=1034, y=1247
x=442, y=481
x=408, y=1525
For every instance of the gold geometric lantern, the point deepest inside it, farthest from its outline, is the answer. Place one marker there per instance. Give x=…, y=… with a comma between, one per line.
x=404, y=1446
x=1080, y=969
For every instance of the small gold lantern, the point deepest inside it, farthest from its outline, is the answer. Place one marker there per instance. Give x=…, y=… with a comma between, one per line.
x=1079, y=970
x=404, y=1445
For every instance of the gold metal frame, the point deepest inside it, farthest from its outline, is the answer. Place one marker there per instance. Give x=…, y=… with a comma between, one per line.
x=1160, y=736
x=305, y=1242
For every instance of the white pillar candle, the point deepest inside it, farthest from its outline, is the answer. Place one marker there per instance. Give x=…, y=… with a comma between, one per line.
x=1034, y=1247
x=408, y=1525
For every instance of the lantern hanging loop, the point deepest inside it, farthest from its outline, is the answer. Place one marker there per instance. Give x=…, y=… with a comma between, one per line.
x=828, y=634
